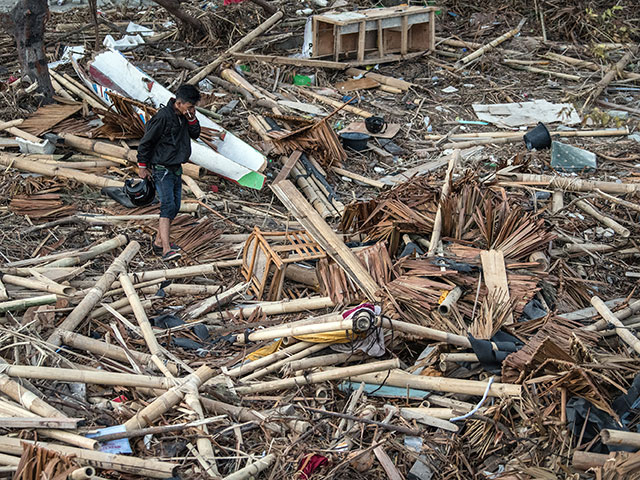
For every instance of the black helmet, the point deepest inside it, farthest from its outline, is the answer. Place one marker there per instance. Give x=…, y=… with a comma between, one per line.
x=375, y=124
x=141, y=192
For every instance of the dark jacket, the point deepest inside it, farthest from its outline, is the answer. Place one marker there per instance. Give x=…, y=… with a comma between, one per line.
x=167, y=139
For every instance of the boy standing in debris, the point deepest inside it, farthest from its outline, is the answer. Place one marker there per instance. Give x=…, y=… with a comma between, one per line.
x=166, y=145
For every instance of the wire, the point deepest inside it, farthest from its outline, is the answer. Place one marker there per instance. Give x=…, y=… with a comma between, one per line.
x=477, y=407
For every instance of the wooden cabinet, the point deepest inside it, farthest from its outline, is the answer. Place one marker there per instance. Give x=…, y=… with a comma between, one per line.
x=379, y=34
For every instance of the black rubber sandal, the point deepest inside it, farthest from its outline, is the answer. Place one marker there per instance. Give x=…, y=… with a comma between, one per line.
x=171, y=255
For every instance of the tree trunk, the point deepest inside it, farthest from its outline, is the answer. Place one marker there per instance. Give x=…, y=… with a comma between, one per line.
x=29, y=19
x=173, y=6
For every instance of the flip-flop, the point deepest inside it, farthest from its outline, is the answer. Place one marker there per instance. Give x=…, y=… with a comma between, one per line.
x=171, y=255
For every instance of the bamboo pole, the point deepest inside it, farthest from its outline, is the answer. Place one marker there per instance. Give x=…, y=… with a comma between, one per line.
x=194, y=187
x=276, y=308
x=620, y=315
x=275, y=366
x=90, y=99
x=490, y=46
x=169, y=399
x=335, y=103
x=399, y=378
x=116, y=151
x=121, y=305
x=624, y=334
x=613, y=72
x=94, y=295
x=569, y=184
x=609, y=222
x=437, y=224
x=220, y=298
x=183, y=272
x=619, y=201
x=293, y=331
x=22, y=163
x=107, y=461
x=237, y=47
x=252, y=469
x=140, y=314
x=605, y=132
x=410, y=328
x=254, y=365
x=421, y=416
x=137, y=286
x=451, y=299
x=69, y=259
x=296, y=365
x=203, y=442
x=34, y=407
x=586, y=460
x=542, y=71
x=16, y=132
x=9, y=460
x=15, y=305
x=359, y=178
x=33, y=284
x=184, y=289
x=104, y=349
x=334, y=374
x=481, y=141
x=96, y=377
x=458, y=357
x=3, y=292
x=84, y=473
x=242, y=414
x=618, y=437
x=438, y=412
x=11, y=123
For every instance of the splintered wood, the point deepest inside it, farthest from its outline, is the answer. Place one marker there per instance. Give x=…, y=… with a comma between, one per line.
x=316, y=137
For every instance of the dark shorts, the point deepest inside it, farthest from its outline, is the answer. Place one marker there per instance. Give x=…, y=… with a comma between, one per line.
x=169, y=188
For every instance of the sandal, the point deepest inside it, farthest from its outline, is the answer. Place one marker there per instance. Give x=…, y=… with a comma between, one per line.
x=171, y=255
x=158, y=249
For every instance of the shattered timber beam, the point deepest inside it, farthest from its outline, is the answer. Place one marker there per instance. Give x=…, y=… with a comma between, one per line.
x=322, y=233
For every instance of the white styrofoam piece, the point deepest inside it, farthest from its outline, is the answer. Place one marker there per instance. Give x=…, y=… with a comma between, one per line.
x=234, y=160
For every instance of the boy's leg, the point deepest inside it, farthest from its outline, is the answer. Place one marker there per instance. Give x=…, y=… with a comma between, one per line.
x=177, y=198
x=164, y=186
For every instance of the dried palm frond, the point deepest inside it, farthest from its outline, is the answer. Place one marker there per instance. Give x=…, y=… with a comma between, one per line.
x=495, y=310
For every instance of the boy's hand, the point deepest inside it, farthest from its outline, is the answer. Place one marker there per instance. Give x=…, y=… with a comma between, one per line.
x=190, y=114
x=144, y=172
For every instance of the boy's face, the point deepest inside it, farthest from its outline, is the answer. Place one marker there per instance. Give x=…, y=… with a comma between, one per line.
x=185, y=108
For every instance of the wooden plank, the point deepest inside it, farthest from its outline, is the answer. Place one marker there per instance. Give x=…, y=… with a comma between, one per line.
x=39, y=422
x=288, y=165
x=300, y=62
x=387, y=464
x=380, y=39
x=361, y=36
x=404, y=35
x=358, y=178
x=495, y=276
x=359, y=84
x=293, y=200
x=46, y=117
